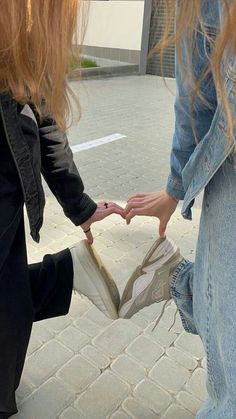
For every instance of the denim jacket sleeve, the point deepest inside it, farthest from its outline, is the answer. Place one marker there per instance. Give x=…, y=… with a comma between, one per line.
x=61, y=174
x=191, y=122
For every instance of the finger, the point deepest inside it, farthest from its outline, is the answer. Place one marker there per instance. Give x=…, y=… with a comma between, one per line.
x=117, y=209
x=137, y=195
x=136, y=200
x=133, y=204
x=89, y=236
x=162, y=228
x=110, y=208
x=146, y=209
x=133, y=212
x=115, y=204
x=146, y=199
x=113, y=210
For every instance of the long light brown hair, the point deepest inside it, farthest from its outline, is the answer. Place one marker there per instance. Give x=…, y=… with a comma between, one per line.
x=35, y=47
x=188, y=24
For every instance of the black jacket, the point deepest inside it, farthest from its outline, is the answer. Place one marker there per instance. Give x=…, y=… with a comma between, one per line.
x=42, y=148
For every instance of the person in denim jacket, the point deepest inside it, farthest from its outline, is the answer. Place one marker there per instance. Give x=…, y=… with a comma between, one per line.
x=203, y=157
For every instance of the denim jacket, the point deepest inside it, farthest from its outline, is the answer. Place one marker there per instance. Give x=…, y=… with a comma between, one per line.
x=193, y=164
x=41, y=148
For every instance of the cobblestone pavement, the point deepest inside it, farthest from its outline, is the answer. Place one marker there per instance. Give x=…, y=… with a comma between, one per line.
x=84, y=365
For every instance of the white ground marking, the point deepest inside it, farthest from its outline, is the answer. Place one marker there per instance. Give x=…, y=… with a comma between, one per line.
x=97, y=142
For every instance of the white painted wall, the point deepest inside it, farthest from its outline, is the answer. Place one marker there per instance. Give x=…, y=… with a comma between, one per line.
x=115, y=24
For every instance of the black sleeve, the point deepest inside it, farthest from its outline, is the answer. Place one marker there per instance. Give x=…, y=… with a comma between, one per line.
x=61, y=174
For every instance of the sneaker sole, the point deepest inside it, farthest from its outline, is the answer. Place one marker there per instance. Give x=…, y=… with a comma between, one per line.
x=103, y=286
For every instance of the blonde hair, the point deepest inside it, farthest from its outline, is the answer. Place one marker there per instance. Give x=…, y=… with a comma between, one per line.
x=188, y=24
x=35, y=47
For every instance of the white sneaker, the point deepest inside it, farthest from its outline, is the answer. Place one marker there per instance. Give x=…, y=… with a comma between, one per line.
x=93, y=280
x=150, y=282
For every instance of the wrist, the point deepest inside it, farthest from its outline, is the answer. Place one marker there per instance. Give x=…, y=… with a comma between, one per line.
x=172, y=198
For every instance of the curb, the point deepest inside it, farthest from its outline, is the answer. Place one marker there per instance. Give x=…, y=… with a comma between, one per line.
x=106, y=71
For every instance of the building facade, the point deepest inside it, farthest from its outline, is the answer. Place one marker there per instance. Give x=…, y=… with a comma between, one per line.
x=155, y=31
x=126, y=31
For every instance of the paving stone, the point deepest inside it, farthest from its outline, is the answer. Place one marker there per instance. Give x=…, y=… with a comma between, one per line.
x=66, y=242
x=139, y=320
x=124, y=272
x=66, y=228
x=169, y=374
x=177, y=412
x=197, y=384
x=102, y=242
x=190, y=343
x=120, y=414
x=168, y=319
x=137, y=410
x=56, y=219
x=56, y=234
x=38, y=256
x=78, y=373
x=123, y=244
x=45, y=362
x=45, y=242
x=57, y=324
x=145, y=351
x=79, y=306
x=90, y=328
x=160, y=334
x=116, y=337
x=73, y=338
x=98, y=317
x=48, y=401
x=128, y=369
x=152, y=312
x=25, y=389
x=34, y=344
x=103, y=397
x=96, y=356
x=72, y=413
x=189, y=401
x=40, y=330
x=40, y=334
x=31, y=249
x=184, y=359
x=152, y=396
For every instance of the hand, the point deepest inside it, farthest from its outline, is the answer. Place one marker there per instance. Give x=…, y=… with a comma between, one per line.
x=154, y=204
x=104, y=209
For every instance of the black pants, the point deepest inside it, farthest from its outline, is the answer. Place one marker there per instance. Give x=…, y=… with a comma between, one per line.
x=27, y=293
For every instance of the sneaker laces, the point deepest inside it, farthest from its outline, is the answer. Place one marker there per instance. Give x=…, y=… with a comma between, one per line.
x=167, y=304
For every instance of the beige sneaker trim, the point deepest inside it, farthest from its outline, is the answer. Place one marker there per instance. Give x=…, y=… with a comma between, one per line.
x=115, y=296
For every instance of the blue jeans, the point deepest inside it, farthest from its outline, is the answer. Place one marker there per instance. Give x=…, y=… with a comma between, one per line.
x=205, y=292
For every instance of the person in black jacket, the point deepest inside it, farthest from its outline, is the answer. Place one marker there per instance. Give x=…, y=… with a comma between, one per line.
x=33, y=62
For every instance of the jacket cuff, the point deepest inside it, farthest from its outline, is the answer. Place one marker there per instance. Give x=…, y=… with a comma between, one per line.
x=175, y=188
x=83, y=211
